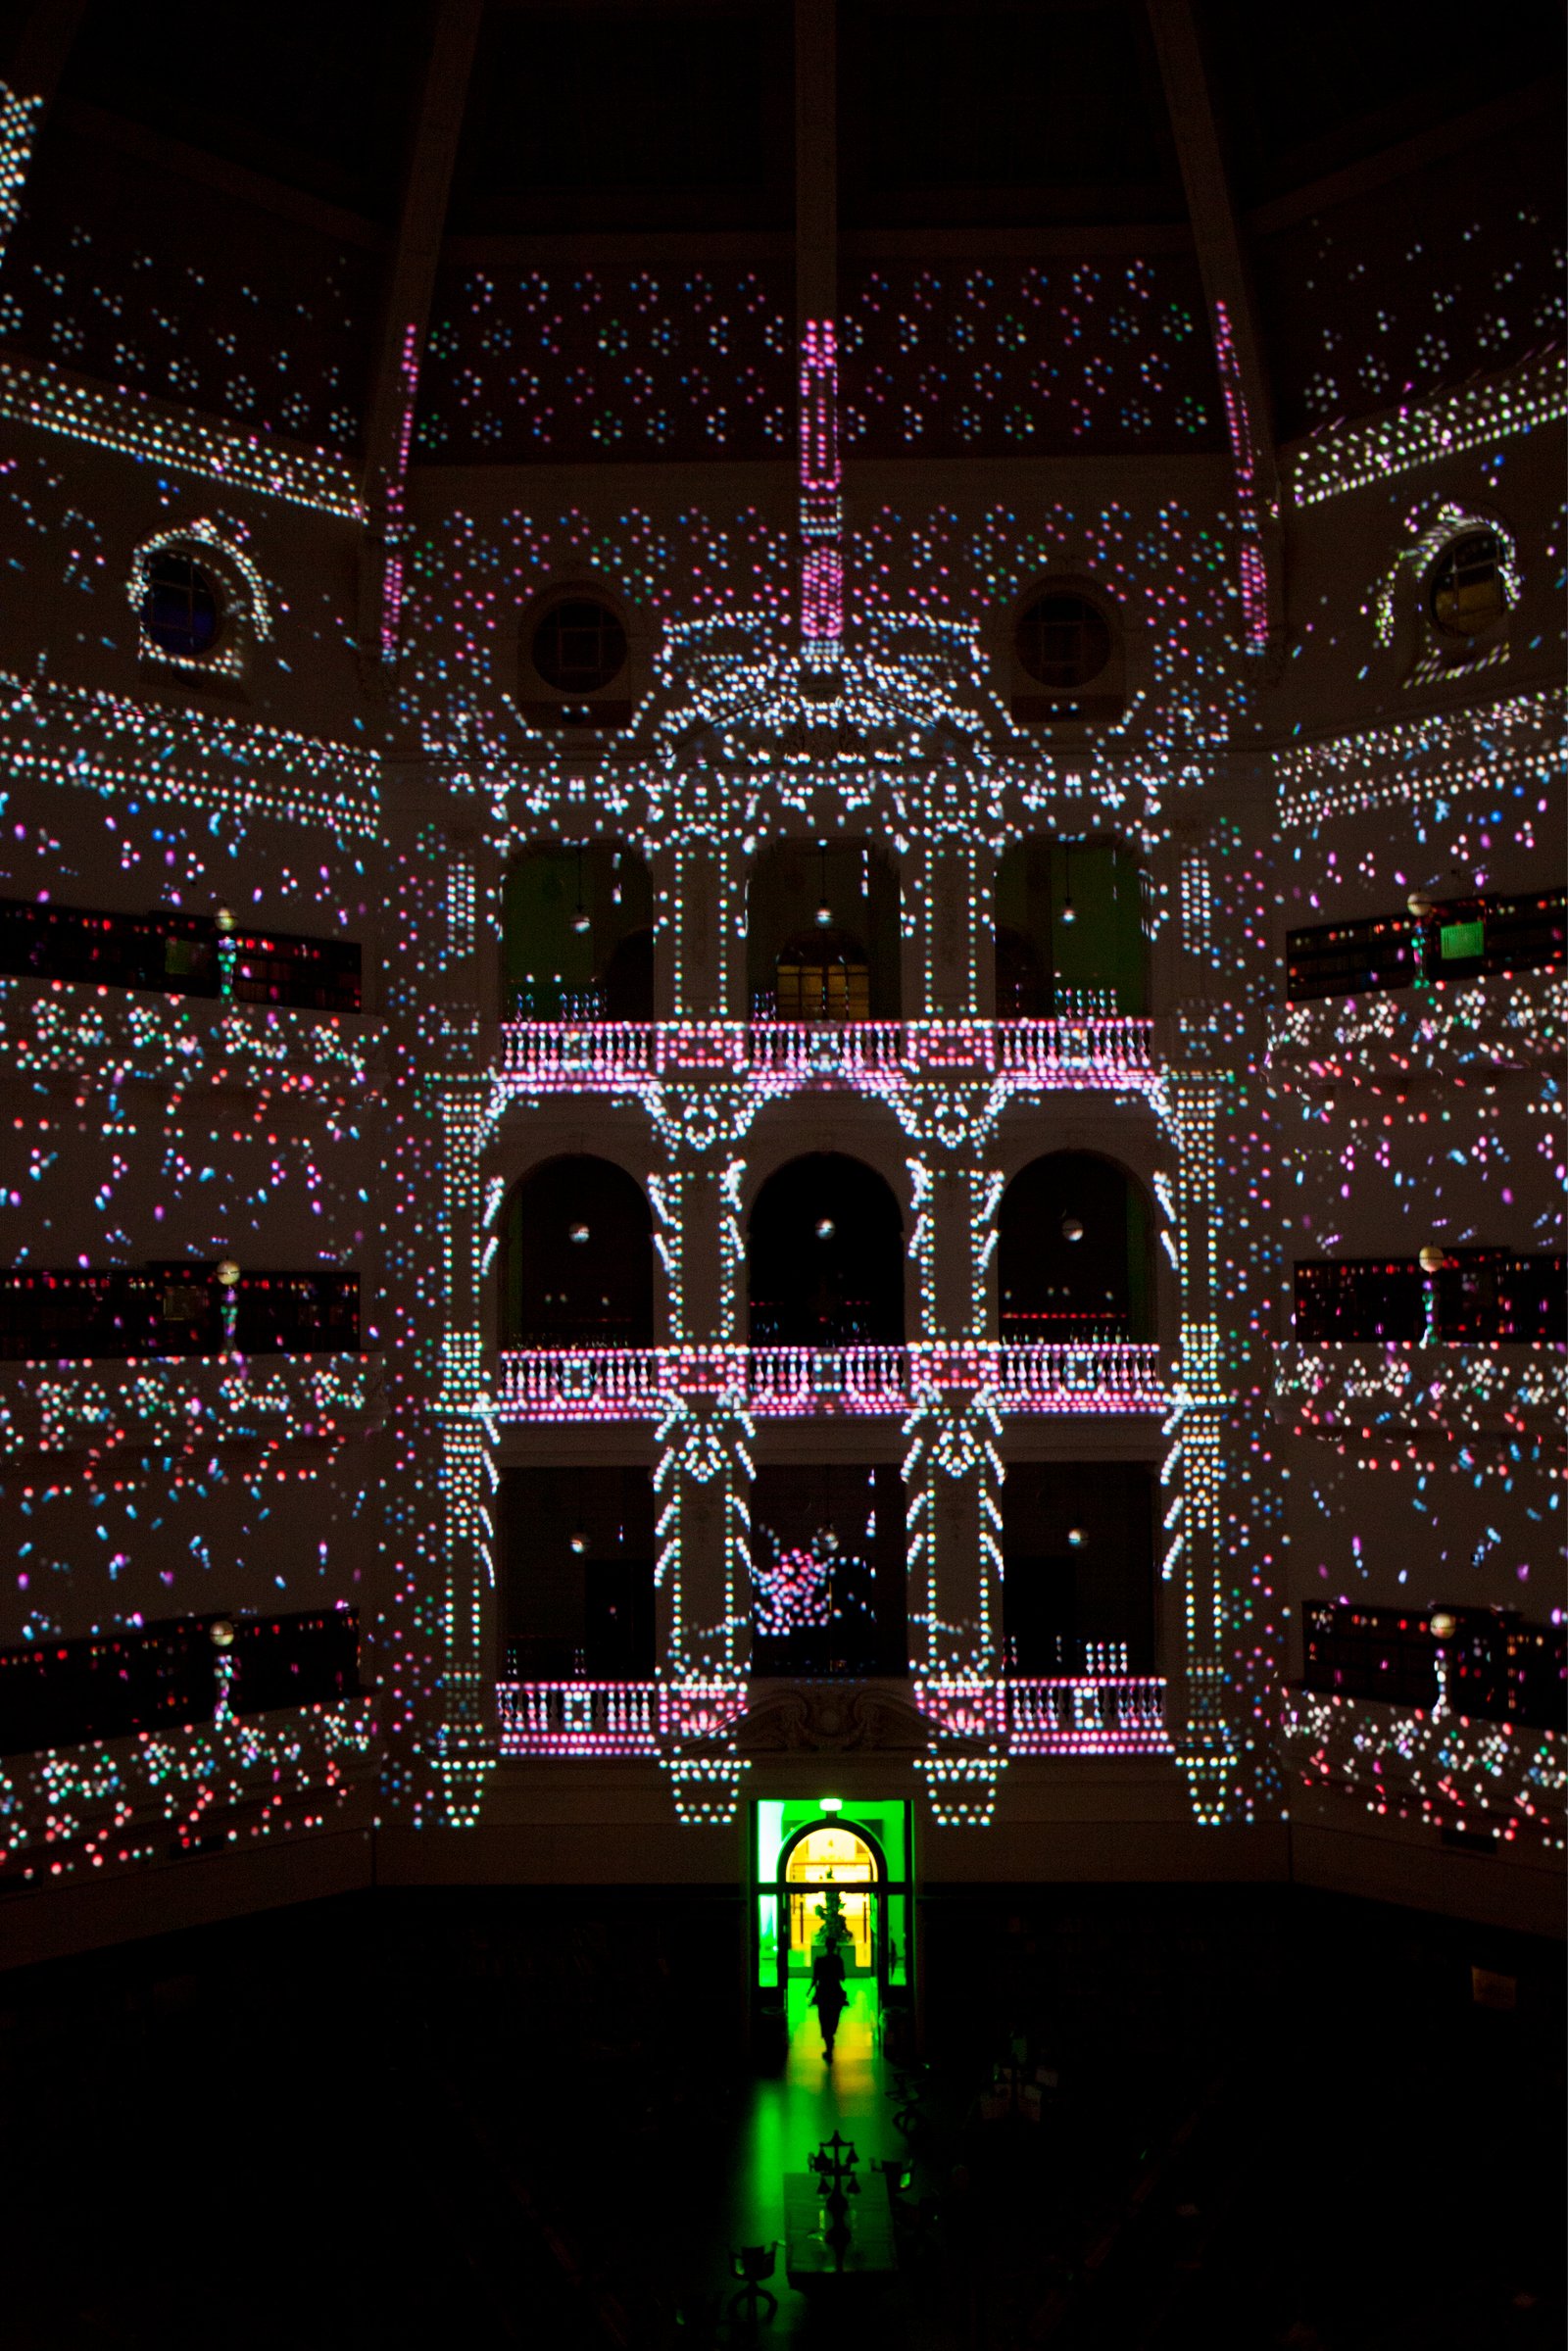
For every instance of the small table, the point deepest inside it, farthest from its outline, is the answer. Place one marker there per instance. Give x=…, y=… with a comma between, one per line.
x=811, y=2259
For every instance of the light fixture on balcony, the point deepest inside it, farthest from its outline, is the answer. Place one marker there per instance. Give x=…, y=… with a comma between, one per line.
x=1419, y=903
x=577, y=1543
x=228, y=1273
x=220, y=1633
x=825, y=1227
x=1443, y=1623
x=577, y=1232
x=1432, y=1257
x=1071, y=1227
x=224, y=919
x=1077, y=1539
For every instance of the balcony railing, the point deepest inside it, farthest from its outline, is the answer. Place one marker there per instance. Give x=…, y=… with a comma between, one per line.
x=778, y=1057
x=1422, y=1034
x=1101, y=1376
x=1122, y=1716
x=1082, y=1715
x=578, y=1718
x=1335, y=1387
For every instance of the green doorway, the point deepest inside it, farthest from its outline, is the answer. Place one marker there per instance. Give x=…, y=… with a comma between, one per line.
x=799, y=1849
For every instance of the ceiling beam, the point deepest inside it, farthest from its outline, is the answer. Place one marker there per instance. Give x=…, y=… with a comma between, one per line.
x=37, y=63
x=410, y=285
x=1244, y=382
x=816, y=175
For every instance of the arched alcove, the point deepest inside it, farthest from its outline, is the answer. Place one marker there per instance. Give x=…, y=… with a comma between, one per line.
x=822, y=932
x=577, y=1258
x=1073, y=1254
x=824, y=1256
x=1069, y=936
x=577, y=934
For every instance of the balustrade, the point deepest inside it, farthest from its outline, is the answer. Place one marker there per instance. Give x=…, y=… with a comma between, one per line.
x=1104, y=1376
x=1082, y=1715
x=543, y=1056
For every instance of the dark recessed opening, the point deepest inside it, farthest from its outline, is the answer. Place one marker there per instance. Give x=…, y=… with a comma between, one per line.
x=181, y=610
x=1062, y=641
x=579, y=646
x=1464, y=586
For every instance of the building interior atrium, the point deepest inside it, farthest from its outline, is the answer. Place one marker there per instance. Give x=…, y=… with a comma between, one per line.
x=783, y=1329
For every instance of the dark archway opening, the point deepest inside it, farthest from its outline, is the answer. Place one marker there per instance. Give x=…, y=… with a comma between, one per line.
x=825, y=1257
x=577, y=937
x=1072, y=1255
x=1069, y=930
x=1078, y=1561
x=578, y=1548
x=828, y=1571
x=577, y=1258
x=822, y=933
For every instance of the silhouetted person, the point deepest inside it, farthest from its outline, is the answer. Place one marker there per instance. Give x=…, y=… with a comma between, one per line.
x=828, y=1995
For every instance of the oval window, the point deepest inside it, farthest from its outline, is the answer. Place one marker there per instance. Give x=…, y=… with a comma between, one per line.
x=181, y=608
x=579, y=646
x=1062, y=641
x=1465, y=585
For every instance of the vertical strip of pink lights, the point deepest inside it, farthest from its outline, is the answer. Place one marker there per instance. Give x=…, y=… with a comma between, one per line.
x=821, y=476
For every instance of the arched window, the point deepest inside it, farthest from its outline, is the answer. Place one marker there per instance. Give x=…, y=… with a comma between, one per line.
x=825, y=1257
x=1466, y=593
x=823, y=974
x=577, y=1258
x=1072, y=1256
x=200, y=601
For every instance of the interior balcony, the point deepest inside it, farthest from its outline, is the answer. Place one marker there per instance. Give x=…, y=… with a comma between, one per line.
x=114, y=1036
x=1466, y=1338
x=543, y=1385
x=1389, y=1041
x=828, y=1664
x=879, y=1059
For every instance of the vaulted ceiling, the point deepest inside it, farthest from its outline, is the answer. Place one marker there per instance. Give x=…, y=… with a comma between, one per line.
x=217, y=217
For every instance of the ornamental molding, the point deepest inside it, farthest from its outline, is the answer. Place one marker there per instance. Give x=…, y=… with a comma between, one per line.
x=831, y=1718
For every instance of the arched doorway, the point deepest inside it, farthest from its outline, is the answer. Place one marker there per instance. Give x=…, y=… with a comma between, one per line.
x=1072, y=1254
x=866, y=1845
x=577, y=1258
x=576, y=934
x=839, y=1857
x=823, y=936
x=1069, y=930
x=824, y=1256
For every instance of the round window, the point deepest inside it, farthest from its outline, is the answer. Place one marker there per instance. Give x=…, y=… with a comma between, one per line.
x=579, y=646
x=1062, y=641
x=1465, y=585
x=181, y=608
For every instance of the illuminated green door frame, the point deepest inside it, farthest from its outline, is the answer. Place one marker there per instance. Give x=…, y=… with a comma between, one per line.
x=886, y=1827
